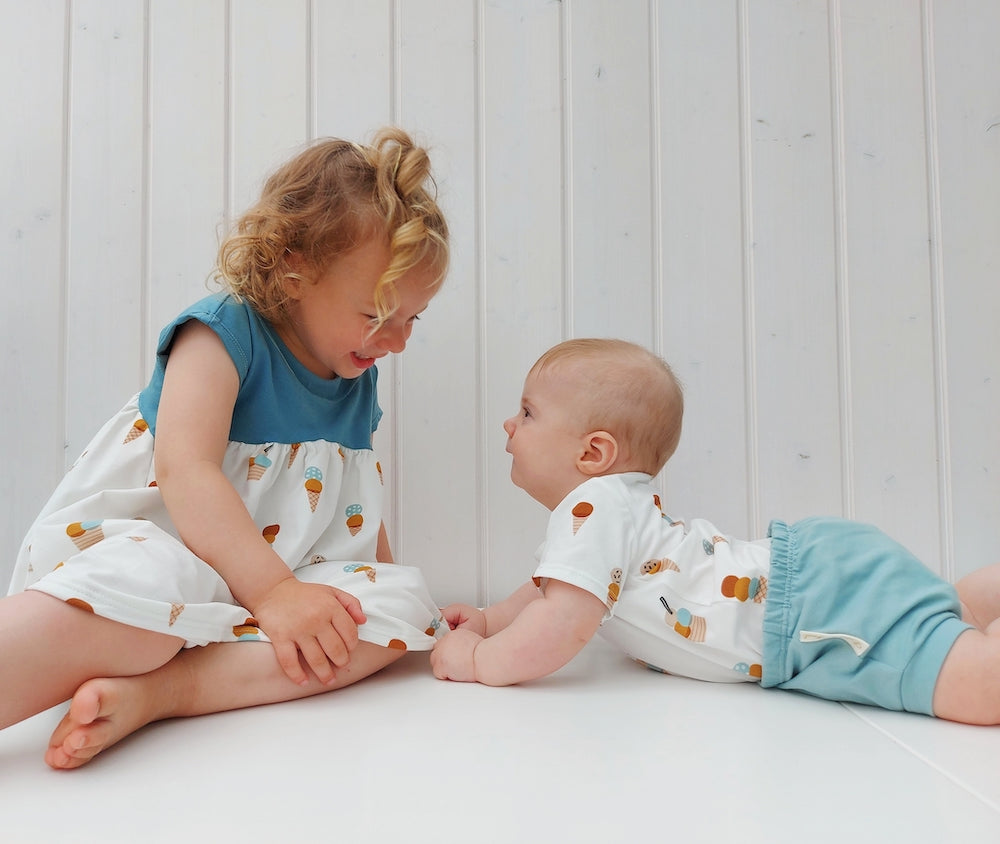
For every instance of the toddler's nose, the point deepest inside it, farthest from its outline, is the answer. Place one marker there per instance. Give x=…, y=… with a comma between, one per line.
x=508, y=427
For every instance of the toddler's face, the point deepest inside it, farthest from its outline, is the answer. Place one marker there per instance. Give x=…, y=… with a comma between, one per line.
x=544, y=440
x=330, y=320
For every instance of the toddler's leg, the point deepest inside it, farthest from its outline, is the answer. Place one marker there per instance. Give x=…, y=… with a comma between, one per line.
x=198, y=681
x=980, y=596
x=48, y=648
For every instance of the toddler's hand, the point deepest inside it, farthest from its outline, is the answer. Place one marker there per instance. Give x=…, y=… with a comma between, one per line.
x=464, y=617
x=318, y=621
x=453, y=656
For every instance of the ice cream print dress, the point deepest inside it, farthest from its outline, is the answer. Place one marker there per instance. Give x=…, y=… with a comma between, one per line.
x=680, y=598
x=299, y=454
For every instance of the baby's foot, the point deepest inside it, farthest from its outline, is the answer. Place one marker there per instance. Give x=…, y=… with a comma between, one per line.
x=102, y=713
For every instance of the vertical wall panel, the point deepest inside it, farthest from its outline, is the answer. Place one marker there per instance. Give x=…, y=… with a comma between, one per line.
x=966, y=91
x=353, y=57
x=32, y=327
x=797, y=376
x=886, y=276
x=522, y=254
x=702, y=295
x=437, y=493
x=610, y=197
x=268, y=79
x=105, y=214
x=187, y=155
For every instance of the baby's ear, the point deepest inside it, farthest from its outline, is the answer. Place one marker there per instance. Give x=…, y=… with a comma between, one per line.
x=599, y=453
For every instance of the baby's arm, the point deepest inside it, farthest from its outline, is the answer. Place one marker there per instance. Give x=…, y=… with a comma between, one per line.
x=193, y=422
x=544, y=634
x=495, y=617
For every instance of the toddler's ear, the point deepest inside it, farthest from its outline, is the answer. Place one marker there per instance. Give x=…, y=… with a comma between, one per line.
x=295, y=275
x=599, y=453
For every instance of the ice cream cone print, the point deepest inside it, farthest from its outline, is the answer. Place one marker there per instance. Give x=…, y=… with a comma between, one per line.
x=292, y=453
x=257, y=466
x=139, y=427
x=361, y=567
x=657, y=566
x=689, y=626
x=270, y=533
x=314, y=486
x=378, y=468
x=580, y=514
x=175, y=610
x=615, y=586
x=744, y=588
x=354, y=519
x=85, y=534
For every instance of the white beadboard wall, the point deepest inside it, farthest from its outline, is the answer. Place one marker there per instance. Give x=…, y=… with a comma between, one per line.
x=797, y=203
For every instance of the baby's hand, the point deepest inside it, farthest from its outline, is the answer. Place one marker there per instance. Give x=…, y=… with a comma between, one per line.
x=453, y=657
x=318, y=621
x=464, y=617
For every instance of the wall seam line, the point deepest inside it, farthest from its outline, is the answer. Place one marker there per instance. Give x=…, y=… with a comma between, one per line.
x=943, y=421
x=840, y=261
x=749, y=287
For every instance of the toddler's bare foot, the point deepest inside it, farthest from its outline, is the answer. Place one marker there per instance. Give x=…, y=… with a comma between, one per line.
x=102, y=713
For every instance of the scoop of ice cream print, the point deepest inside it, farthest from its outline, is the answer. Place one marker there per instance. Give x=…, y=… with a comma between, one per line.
x=85, y=534
x=657, y=566
x=581, y=512
x=615, y=586
x=354, y=519
x=270, y=533
x=745, y=588
x=684, y=623
x=248, y=631
x=313, y=485
x=139, y=427
x=755, y=670
x=257, y=466
x=363, y=568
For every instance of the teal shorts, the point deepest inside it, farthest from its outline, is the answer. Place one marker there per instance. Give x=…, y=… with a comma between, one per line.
x=853, y=616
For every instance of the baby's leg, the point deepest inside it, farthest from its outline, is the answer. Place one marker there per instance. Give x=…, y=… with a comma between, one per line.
x=979, y=593
x=48, y=648
x=968, y=686
x=198, y=681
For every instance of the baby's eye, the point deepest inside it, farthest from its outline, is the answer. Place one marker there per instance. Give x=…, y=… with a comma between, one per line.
x=525, y=413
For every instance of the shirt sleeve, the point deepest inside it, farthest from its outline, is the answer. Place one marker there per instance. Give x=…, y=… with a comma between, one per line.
x=590, y=538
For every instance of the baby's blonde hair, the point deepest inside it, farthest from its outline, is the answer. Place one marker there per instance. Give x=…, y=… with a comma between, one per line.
x=625, y=390
x=330, y=198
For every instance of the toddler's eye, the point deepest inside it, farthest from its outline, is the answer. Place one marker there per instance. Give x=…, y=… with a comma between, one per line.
x=525, y=413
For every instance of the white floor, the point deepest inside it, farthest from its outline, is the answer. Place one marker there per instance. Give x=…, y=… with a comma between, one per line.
x=603, y=751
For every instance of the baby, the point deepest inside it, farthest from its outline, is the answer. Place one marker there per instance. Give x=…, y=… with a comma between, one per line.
x=826, y=606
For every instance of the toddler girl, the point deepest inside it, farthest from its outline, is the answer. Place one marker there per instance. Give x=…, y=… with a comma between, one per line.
x=237, y=497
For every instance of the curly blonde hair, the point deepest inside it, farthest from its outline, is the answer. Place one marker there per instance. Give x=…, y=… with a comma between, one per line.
x=324, y=202
x=625, y=389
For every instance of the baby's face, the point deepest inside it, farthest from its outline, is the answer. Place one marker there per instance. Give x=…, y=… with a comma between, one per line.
x=544, y=440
